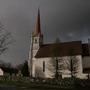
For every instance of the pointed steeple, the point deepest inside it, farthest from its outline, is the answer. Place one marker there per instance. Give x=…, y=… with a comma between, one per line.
x=38, y=26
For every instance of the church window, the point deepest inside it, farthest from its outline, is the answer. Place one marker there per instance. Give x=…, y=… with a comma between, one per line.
x=43, y=66
x=35, y=40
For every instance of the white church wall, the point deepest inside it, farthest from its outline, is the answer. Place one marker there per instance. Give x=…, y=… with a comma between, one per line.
x=79, y=68
x=66, y=63
x=38, y=64
x=49, y=67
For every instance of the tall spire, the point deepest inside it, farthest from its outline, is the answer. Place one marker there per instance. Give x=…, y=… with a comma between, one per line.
x=38, y=26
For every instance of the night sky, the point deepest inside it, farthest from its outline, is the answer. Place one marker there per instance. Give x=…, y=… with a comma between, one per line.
x=67, y=19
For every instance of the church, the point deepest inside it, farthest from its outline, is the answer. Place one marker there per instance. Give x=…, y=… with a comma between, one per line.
x=42, y=57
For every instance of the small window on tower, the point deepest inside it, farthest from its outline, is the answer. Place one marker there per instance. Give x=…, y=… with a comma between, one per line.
x=35, y=40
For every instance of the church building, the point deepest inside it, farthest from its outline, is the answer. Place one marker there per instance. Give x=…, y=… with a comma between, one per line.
x=42, y=57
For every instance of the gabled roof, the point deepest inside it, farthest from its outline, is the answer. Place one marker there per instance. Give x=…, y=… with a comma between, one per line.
x=64, y=49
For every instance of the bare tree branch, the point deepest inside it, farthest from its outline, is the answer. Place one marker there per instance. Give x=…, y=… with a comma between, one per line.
x=5, y=39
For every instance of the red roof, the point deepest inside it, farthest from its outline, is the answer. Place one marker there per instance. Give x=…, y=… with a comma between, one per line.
x=38, y=26
x=63, y=49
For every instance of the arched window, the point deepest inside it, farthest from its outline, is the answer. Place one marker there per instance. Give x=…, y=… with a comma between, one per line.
x=35, y=40
x=43, y=66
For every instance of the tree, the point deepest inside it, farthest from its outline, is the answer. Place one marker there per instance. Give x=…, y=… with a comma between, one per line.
x=55, y=57
x=24, y=69
x=8, y=68
x=5, y=39
x=59, y=63
x=73, y=63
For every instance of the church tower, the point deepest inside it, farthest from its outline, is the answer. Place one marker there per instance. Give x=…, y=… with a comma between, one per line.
x=36, y=42
x=37, y=36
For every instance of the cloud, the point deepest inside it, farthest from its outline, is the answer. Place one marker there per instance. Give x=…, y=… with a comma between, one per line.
x=67, y=19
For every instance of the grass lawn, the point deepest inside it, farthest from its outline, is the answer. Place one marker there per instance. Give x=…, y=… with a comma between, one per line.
x=49, y=85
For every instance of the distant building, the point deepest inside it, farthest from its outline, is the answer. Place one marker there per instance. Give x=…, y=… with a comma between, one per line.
x=40, y=56
x=1, y=72
x=7, y=71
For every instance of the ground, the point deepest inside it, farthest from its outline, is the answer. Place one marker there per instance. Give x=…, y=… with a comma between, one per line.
x=29, y=84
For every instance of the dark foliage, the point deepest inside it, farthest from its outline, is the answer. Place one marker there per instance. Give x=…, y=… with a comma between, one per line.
x=24, y=69
x=5, y=39
x=9, y=70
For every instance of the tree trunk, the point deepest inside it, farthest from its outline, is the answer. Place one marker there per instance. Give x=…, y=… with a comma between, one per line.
x=71, y=65
x=56, y=74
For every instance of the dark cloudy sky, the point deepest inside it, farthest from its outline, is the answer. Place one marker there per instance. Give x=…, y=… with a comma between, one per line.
x=66, y=19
